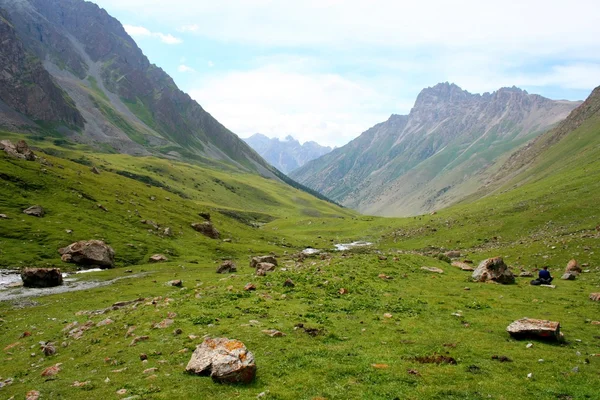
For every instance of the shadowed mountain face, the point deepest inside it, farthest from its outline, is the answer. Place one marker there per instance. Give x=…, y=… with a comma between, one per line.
x=436, y=155
x=286, y=155
x=96, y=82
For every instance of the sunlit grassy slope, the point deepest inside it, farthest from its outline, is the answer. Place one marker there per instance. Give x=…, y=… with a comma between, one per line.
x=544, y=217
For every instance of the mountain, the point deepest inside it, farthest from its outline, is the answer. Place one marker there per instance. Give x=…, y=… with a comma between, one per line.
x=70, y=69
x=286, y=155
x=436, y=155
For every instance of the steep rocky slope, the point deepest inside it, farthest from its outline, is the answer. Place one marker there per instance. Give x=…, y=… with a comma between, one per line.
x=436, y=155
x=286, y=155
x=126, y=102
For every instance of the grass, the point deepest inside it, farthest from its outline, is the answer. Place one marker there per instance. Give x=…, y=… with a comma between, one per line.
x=549, y=220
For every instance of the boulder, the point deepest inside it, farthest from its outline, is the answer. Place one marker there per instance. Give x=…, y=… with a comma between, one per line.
x=226, y=267
x=462, y=265
x=262, y=259
x=264, y=267
x=88, y=253
x=224, y=360
x=535, y=328
x=207, y=229
x=36, y=211
x=573, y=267
x=158, y=258
x=41, y=277
x=20, y=150
x=595, y=296
x=495, y=270
x=568, y=276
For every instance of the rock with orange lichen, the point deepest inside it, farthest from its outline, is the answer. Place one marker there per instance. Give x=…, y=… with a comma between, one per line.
x=225, y=360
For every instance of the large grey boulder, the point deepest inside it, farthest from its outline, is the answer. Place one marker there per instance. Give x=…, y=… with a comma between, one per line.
x=41, y=277
x=89, y=253
x=534, y=328
x=493, y=269
x=224, y=360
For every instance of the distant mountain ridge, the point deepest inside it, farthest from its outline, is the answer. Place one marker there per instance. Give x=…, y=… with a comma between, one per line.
x=286, y=155
x=73, y=68
x=434, y=156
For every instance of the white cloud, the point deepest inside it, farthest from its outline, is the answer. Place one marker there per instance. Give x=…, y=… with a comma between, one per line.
x=189, y=28
x=210, y=64
x=326, y=108
x=140, y=31
x=184, y=68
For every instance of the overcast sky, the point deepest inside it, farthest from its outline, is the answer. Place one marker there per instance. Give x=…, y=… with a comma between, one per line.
x=327, y=70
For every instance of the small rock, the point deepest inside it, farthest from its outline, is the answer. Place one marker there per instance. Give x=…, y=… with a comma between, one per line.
x=289, y=283
x=462, y=265
x=121, y=392
x=226, y=267
x=105, y=322
x=387, y=315
x=529, y=345
x=530, y=375
x=595, y=296
x=51, y=371
x=568, y=276
x=526, y=274
x=32, y=395
x=95, y=170
x=176, y=283
x=250, y=287
x=158, y=258
x=3, y=216
x=433, y=269
x=273, y=333
x=343, y=291
x=80, y=384
x=150, y=370
x=380, y=366
x=207, y=229
x=143, y=356
x=164, y=324
x=36, y=211
x=384, y=277
x=576, y=369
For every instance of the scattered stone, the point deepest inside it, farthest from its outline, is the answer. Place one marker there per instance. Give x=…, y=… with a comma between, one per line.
x=225, y=360
x=264, y=267
x=529, y=345
x=168, y=232
x=80, y=384
x=289, y=283
x=495, y=270
x=89, y=253
x=462, y=265
x=100, y=206
x=41, y=277
x=384, y=277
x=262, y=259
x=177, y=331
x=249, y=287
x=382, y=258
x=105, y=322
x=32, y=395
x=526, y=274
x=387, y=315
x=175, y=283
x=76, y=331
x=3, y=216
x=595, y=322
x=95, y=170
x=433, y=269
x=226, y=267
x=48, y=348
x=138, y=339
x=158, y=258
x=568, y=276
x=530, y=375
x=573, y=267
x=343, y=291
x=143, y=356
x=121, y=392
x=51, y=371
x=535, y=328
x=595, y=296
x=36, y=211
x=207, y=229
x=273, y=333
x=165, y=323
x=150, y=370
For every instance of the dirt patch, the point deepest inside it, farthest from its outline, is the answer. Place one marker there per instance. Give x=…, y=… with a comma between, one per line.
x=435, y=359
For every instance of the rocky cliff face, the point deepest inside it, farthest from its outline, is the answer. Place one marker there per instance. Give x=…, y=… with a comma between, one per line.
x=436, y=155
x=126, y=102
x=27, y=88
x=286, y=155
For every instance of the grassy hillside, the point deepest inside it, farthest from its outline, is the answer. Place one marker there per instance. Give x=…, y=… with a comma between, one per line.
x=368, y=342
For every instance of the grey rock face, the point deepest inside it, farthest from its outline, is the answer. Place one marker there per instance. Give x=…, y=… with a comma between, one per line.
x=225, y=360
x=286, y=155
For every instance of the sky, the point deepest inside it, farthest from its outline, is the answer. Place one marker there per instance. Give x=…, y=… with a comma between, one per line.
x=327, y=70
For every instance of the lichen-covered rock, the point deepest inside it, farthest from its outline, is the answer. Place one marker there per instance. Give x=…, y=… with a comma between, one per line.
x=226, y=267
x=36, y=211
x=493, y=269
x=224, y=360
x=207, y=229
x=534, y=328
x=41, y=277
x=573, y=267
x=262, y=259
x=89, y=253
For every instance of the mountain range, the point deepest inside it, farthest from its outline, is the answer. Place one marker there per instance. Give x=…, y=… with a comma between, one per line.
x=288, y=154
x=445, y=149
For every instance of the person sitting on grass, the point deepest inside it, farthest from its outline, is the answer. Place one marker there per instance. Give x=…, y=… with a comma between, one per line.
x=544, y=276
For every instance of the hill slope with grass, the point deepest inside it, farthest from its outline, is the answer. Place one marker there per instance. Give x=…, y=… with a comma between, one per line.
x=100, y=89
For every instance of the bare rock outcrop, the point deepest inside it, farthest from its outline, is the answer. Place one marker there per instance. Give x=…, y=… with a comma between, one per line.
x=495, y=270
x=41, y=277
x=224, y=360
x=89, y=253
x=207, y=229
